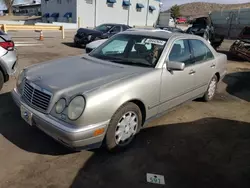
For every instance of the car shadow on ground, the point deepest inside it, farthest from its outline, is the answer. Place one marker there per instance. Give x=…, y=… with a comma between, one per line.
x=71, y=44
x=18, y=132
x=209, y=152
x=230, y=56
x=238, y=84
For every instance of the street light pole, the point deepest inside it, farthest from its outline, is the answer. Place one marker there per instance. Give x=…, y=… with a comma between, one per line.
x=95, y=15
x=147, y=13
x=128, y=13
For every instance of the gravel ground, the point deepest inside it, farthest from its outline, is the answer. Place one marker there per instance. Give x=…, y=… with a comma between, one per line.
x=196, y=145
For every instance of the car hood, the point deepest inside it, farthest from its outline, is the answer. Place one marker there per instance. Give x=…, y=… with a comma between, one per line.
x=78, y=74
x=89, y=31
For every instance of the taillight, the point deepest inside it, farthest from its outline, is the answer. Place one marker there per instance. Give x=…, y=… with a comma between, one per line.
x=7, y=45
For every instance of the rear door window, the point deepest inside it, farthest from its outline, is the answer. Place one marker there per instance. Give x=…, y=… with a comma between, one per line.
x=200, y=51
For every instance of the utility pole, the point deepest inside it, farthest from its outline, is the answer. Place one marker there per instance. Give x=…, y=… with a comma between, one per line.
x=147, y=13
x=95, y=15
x=128, y=13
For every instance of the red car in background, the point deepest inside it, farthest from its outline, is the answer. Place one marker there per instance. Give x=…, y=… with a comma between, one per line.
x=181, y=20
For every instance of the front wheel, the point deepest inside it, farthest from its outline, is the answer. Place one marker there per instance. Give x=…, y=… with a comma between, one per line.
x=211, y=90
x=123, y=126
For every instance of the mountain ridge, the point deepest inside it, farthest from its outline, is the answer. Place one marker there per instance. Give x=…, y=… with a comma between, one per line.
x=194, y=9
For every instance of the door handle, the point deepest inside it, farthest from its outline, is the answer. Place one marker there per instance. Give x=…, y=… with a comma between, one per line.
x=212, y=66
x=192, y=72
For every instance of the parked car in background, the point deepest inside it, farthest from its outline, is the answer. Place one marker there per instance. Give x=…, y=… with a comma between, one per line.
x=85, y=36
x=181, y=20
x=8, y=58
x=93, y=45
x=112, y=92
x=203, y=26
x=172, y=29
x=241, y=47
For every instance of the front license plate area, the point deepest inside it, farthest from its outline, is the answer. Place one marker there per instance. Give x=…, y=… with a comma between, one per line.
x=26, y=115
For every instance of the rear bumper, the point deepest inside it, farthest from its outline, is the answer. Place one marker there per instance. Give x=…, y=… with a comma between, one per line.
x=223, y=74
x=9, y=62
x=75, y=138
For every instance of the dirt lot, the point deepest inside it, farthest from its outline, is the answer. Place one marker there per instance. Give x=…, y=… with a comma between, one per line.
x=196, y=145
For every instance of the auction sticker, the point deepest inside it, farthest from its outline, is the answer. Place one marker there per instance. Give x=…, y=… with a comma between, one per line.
x=155, y=41
x=156, y=179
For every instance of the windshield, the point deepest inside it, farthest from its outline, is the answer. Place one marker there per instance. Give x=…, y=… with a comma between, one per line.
x=135, y=50
x=103, y=28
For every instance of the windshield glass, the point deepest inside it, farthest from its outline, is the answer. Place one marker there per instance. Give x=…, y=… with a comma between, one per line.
x=103, y=28
x=135, y=50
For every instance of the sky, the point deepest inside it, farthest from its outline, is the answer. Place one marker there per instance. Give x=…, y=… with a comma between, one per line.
x=167, y=3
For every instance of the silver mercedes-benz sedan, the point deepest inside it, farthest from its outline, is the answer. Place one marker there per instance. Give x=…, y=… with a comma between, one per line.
x=108, y=95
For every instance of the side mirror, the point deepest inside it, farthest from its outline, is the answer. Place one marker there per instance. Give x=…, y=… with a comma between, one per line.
x=172, y=65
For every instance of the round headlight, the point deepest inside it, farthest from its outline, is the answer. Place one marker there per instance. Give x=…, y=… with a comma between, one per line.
x=20, y=78
x=60, y=106
x=76, y=107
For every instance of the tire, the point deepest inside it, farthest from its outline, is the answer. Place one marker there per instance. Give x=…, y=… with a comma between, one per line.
x=211, y=90
x=120, y=136
x=1, y=80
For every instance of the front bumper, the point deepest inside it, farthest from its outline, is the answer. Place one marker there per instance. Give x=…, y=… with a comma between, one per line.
x=81, y=40
x=75, y=138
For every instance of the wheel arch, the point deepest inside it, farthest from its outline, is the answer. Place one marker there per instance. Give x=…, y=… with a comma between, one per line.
x=142, y=107
x=217, y=74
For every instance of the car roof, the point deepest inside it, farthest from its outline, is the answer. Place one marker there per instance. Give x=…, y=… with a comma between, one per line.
x=114, y=24
x=154, y=33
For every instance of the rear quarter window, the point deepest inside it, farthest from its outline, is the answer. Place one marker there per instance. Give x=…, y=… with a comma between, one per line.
x=200, y=51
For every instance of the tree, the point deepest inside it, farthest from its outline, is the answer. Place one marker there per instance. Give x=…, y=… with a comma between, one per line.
x=9, y=4
x=175, y=11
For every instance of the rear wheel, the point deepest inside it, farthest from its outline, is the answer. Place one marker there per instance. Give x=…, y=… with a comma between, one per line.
x=123, y=126
x=1, y=80
x=211, y=90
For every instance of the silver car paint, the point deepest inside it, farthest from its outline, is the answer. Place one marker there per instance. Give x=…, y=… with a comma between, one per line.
x=7, y=61
x=107, y=86
x=95, y=44
x=7, y=58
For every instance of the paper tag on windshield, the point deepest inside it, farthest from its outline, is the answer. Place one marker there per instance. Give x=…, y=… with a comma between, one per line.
x=155, y=41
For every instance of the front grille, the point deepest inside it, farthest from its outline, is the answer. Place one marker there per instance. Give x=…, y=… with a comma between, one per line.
x=35, y=97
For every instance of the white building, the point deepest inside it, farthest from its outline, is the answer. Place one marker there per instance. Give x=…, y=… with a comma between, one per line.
x=90, y=13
